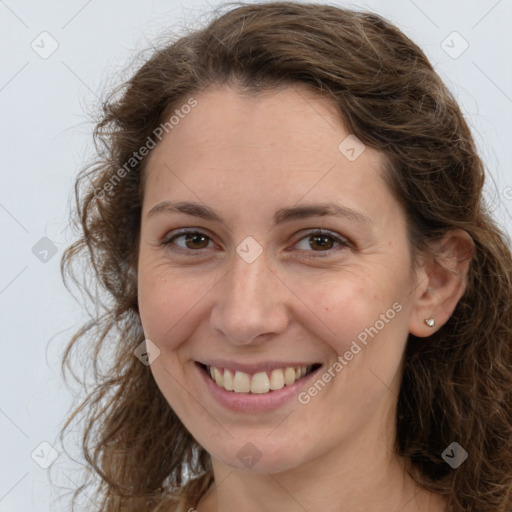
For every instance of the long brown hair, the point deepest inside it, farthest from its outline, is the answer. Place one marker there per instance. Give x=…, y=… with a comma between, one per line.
x=457, y=385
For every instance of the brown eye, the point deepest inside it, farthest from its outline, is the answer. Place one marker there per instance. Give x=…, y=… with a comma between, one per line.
x=193, y=240
x=320, y=241
x=196, y=241
x=317, y=242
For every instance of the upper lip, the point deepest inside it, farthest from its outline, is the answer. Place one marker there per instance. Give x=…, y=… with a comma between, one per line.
x=254, y=367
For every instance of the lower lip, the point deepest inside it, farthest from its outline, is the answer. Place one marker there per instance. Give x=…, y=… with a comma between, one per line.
x=255, y=402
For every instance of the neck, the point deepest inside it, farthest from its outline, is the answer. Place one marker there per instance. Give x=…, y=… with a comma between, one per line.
x=357, y=476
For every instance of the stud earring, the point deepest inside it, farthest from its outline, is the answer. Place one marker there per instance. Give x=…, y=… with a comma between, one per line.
x=430, y=322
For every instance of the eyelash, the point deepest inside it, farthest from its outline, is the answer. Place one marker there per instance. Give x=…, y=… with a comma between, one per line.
x=318, y=232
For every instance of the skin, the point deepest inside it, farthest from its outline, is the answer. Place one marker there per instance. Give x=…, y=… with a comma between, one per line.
x=246, y=157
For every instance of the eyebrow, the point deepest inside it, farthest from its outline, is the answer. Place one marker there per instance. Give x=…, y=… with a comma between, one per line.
x=281, y=216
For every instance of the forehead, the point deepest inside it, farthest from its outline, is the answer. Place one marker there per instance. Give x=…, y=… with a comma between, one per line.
x=292, y=120
x=286, y=145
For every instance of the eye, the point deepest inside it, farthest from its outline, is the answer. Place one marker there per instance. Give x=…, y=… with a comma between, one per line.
x=321, y=241
x=192, y=239
x=318, y=240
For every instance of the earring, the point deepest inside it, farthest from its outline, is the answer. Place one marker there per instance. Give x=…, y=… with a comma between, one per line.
x=430, y=322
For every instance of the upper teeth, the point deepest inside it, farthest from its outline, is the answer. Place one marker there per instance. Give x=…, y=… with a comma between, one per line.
x=261, y=382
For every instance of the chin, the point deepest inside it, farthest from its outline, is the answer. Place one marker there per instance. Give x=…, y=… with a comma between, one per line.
x=258, y=455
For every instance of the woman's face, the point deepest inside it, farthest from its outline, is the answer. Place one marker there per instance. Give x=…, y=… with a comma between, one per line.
x=258, y=290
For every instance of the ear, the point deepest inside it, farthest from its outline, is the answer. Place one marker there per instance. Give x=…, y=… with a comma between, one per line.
x=441, y=281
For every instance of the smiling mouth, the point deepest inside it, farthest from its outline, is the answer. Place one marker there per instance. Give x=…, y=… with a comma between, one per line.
x=257, y=383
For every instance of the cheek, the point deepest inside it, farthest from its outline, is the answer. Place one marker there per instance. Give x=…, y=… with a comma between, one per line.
x=152, y=304
x=339, y=307
x=361, y=318
x=163, y=303
x=171, y=303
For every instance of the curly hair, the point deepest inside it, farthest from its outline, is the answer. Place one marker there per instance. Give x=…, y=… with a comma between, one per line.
x=457, y=387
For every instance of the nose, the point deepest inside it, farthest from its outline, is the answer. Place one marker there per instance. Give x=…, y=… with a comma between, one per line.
x=250, y=303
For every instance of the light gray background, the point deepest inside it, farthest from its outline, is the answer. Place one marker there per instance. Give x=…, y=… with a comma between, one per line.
x=46, y=138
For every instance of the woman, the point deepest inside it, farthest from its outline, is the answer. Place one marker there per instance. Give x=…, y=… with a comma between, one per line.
x=310, y=305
